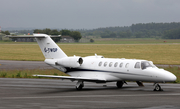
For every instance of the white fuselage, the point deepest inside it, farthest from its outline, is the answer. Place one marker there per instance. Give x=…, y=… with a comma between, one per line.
x=110, y=69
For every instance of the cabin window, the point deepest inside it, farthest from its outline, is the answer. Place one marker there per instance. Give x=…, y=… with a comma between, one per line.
x=110, y=64
x=100, y=63
x=105, y=64
x=115, y=65
x=127, y=65
x=137, y=65
x=121, y=65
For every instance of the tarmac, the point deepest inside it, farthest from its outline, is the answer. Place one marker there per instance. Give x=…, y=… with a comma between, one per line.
x=19, y=93
x=54, y=93
x=22, y=65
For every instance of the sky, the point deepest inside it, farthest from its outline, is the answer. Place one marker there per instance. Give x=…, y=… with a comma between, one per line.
x=86, y=14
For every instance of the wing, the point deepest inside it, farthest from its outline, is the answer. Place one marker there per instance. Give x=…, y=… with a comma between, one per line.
x=73, y=78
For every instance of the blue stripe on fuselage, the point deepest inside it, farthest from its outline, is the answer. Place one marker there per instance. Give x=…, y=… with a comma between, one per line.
x=91, y=70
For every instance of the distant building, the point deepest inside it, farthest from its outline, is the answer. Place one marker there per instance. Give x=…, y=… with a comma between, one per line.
x=67, y=39
x=64, y=39
x=22, y=39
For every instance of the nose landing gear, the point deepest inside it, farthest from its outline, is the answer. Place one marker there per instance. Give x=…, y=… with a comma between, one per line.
x=157, y=87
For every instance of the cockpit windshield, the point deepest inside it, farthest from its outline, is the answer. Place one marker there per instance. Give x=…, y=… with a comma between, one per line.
x=145, y=64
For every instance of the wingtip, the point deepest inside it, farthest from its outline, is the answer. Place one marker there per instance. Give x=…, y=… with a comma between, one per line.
x=35, y=75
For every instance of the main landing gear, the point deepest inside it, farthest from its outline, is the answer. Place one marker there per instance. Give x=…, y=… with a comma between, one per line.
x=157, y=87
x=140, y=84
x=79, y=85
x=119, y=84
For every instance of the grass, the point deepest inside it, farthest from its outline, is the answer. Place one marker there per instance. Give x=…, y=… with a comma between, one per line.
x=158, y=53
x=175, y=71
x=135, y=41
x=29, y=73
x=21, y=52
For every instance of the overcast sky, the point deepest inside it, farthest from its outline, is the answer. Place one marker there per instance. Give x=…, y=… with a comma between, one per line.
x=87, y=14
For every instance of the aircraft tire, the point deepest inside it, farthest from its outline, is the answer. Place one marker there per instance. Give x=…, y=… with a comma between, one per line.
x=157, y=88
x=80, y=87
x=119, y=84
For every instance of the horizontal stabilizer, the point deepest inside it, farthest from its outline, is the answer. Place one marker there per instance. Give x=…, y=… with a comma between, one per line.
x=31, y=36
x=26, y=36
x=71, y=78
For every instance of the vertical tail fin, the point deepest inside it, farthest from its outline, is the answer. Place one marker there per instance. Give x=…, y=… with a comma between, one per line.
x=48, y=47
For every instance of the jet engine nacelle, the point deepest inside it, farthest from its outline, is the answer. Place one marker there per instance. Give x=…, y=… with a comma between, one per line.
x=70, y=62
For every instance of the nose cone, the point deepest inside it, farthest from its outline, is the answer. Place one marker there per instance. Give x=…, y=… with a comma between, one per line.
x=172, y=77
x=169, y=76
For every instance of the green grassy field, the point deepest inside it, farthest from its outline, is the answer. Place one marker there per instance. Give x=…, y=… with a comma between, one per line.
x=29, y=73
x=135, y=41
x=175, y=71
x=158, y=53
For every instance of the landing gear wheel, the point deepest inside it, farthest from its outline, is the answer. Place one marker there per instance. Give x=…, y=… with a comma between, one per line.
x=157, y=87
x=119, y=84
x=79, y=85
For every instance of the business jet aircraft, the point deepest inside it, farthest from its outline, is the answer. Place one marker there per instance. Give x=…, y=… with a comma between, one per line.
x=99, y=69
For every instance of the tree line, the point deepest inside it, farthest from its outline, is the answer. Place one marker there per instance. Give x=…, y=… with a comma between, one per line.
x=140, y=30
x=172, y=34
x=5, y=32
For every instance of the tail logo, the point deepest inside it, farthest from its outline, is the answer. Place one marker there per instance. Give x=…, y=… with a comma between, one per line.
x=50, y=50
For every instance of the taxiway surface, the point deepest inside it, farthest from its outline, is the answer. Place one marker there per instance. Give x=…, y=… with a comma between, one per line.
x=55, y=93
x=22, y=65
